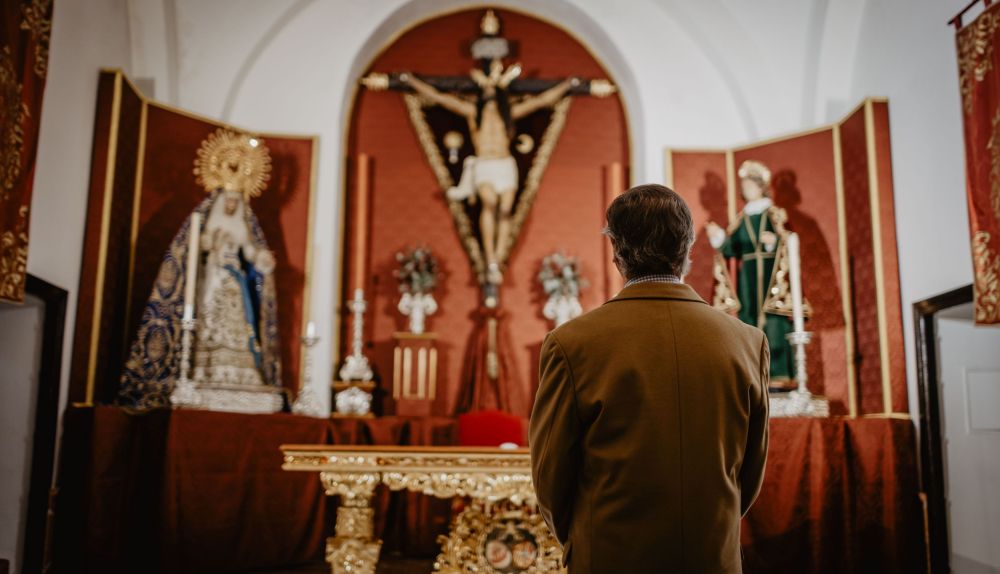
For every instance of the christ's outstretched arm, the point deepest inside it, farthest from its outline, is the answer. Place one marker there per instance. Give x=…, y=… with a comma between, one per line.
x=546, y=99
x=447, y=101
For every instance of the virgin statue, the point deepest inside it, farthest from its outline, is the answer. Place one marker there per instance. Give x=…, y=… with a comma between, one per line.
x=227, y=297
x=757, y=241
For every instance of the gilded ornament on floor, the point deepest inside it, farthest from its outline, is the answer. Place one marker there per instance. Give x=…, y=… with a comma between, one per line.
x=498, y=540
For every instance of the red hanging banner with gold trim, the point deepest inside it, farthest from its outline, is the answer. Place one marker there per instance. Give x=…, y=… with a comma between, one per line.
x=25, y=26
x=979, y=80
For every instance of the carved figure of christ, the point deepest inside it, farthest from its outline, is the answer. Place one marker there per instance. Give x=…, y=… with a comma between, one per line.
x=493, y=171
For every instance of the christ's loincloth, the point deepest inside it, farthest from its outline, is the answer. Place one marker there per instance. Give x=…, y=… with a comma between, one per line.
x=498, y=173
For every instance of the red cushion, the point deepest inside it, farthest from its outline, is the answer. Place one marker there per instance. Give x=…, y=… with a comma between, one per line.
x=490, y=428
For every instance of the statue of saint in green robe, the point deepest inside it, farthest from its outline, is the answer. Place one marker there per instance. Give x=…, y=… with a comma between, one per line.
x=756, y=240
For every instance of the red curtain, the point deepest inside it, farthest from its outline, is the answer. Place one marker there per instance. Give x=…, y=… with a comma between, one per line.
x=24, y=54
x=979, y=80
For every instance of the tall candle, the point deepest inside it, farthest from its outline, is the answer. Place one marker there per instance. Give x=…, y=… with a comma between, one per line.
x=361, y=222
x=191, y=277
x=795, y=272
x=614, y=185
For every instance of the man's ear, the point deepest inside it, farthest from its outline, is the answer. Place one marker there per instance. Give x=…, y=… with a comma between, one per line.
x=618, y=265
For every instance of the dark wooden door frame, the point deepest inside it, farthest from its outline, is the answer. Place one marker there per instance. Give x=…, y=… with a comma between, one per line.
x=932, y=469
x=46, y=418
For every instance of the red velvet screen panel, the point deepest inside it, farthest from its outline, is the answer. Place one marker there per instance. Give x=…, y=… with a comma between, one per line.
x=99, y=340
x=153, y=190
x=702, y=179
x=830, y=181
x=874, y=260
x=407, y=207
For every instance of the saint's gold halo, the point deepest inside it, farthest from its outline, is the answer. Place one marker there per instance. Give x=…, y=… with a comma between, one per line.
x=233, y=161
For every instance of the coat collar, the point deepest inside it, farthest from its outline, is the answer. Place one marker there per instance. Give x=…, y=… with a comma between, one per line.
x=680, y=291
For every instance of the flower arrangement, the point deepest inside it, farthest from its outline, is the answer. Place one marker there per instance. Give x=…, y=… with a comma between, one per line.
x=560, y=276
x=417, y=272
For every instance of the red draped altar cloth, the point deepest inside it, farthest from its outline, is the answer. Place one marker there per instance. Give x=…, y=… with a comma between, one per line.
x=839, y=495
x=196, y=491
x=979, y=80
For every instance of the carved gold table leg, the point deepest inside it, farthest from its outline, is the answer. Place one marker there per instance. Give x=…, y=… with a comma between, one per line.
x=354, y=549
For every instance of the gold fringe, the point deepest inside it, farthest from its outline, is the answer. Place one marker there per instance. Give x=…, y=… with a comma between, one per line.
x=724, y=297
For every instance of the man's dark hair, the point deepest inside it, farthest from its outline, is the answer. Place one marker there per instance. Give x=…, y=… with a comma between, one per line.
x=651, y=231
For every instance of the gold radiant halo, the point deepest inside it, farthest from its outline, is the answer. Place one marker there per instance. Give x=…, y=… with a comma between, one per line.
x=233, y=161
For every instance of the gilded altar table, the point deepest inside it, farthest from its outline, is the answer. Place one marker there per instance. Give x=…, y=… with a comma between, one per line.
x=498, y=532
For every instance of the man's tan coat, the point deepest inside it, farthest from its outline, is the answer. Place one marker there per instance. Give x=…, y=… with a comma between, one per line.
x=649, y=433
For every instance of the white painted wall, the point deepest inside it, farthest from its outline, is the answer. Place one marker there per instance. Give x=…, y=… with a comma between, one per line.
x=970, y=378
x=85, y=36
x=20, y=351
x=906, y=52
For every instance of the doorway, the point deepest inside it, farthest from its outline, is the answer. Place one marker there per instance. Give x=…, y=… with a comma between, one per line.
x=959, y=368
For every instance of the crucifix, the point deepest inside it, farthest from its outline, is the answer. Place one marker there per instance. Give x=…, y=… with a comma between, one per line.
x=493, y=103
x=479, y=133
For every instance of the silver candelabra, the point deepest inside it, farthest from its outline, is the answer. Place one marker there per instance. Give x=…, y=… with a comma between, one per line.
x=800, y=402
x=353, y=395
x=356, y=367
x=307, y=403
x=184, y=393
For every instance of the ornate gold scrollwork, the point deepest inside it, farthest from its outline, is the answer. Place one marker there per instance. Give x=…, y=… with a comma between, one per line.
x=498, y=482
x=352, y=555
x=234, y=162
x=514, y=487
x=354, y=488
x=355, y=522
x=975, y=53
x=14, y=258
x=489, y=540
x=14, y=112
x=724, y=297
x=987, y=280
x=38, y=23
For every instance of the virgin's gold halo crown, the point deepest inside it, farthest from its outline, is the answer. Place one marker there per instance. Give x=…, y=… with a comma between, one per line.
x=756, y=170
x=233, y=161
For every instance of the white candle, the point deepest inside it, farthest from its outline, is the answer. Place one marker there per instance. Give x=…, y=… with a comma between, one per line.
x=795, y=271
x=311, y=330
x=194, y=249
